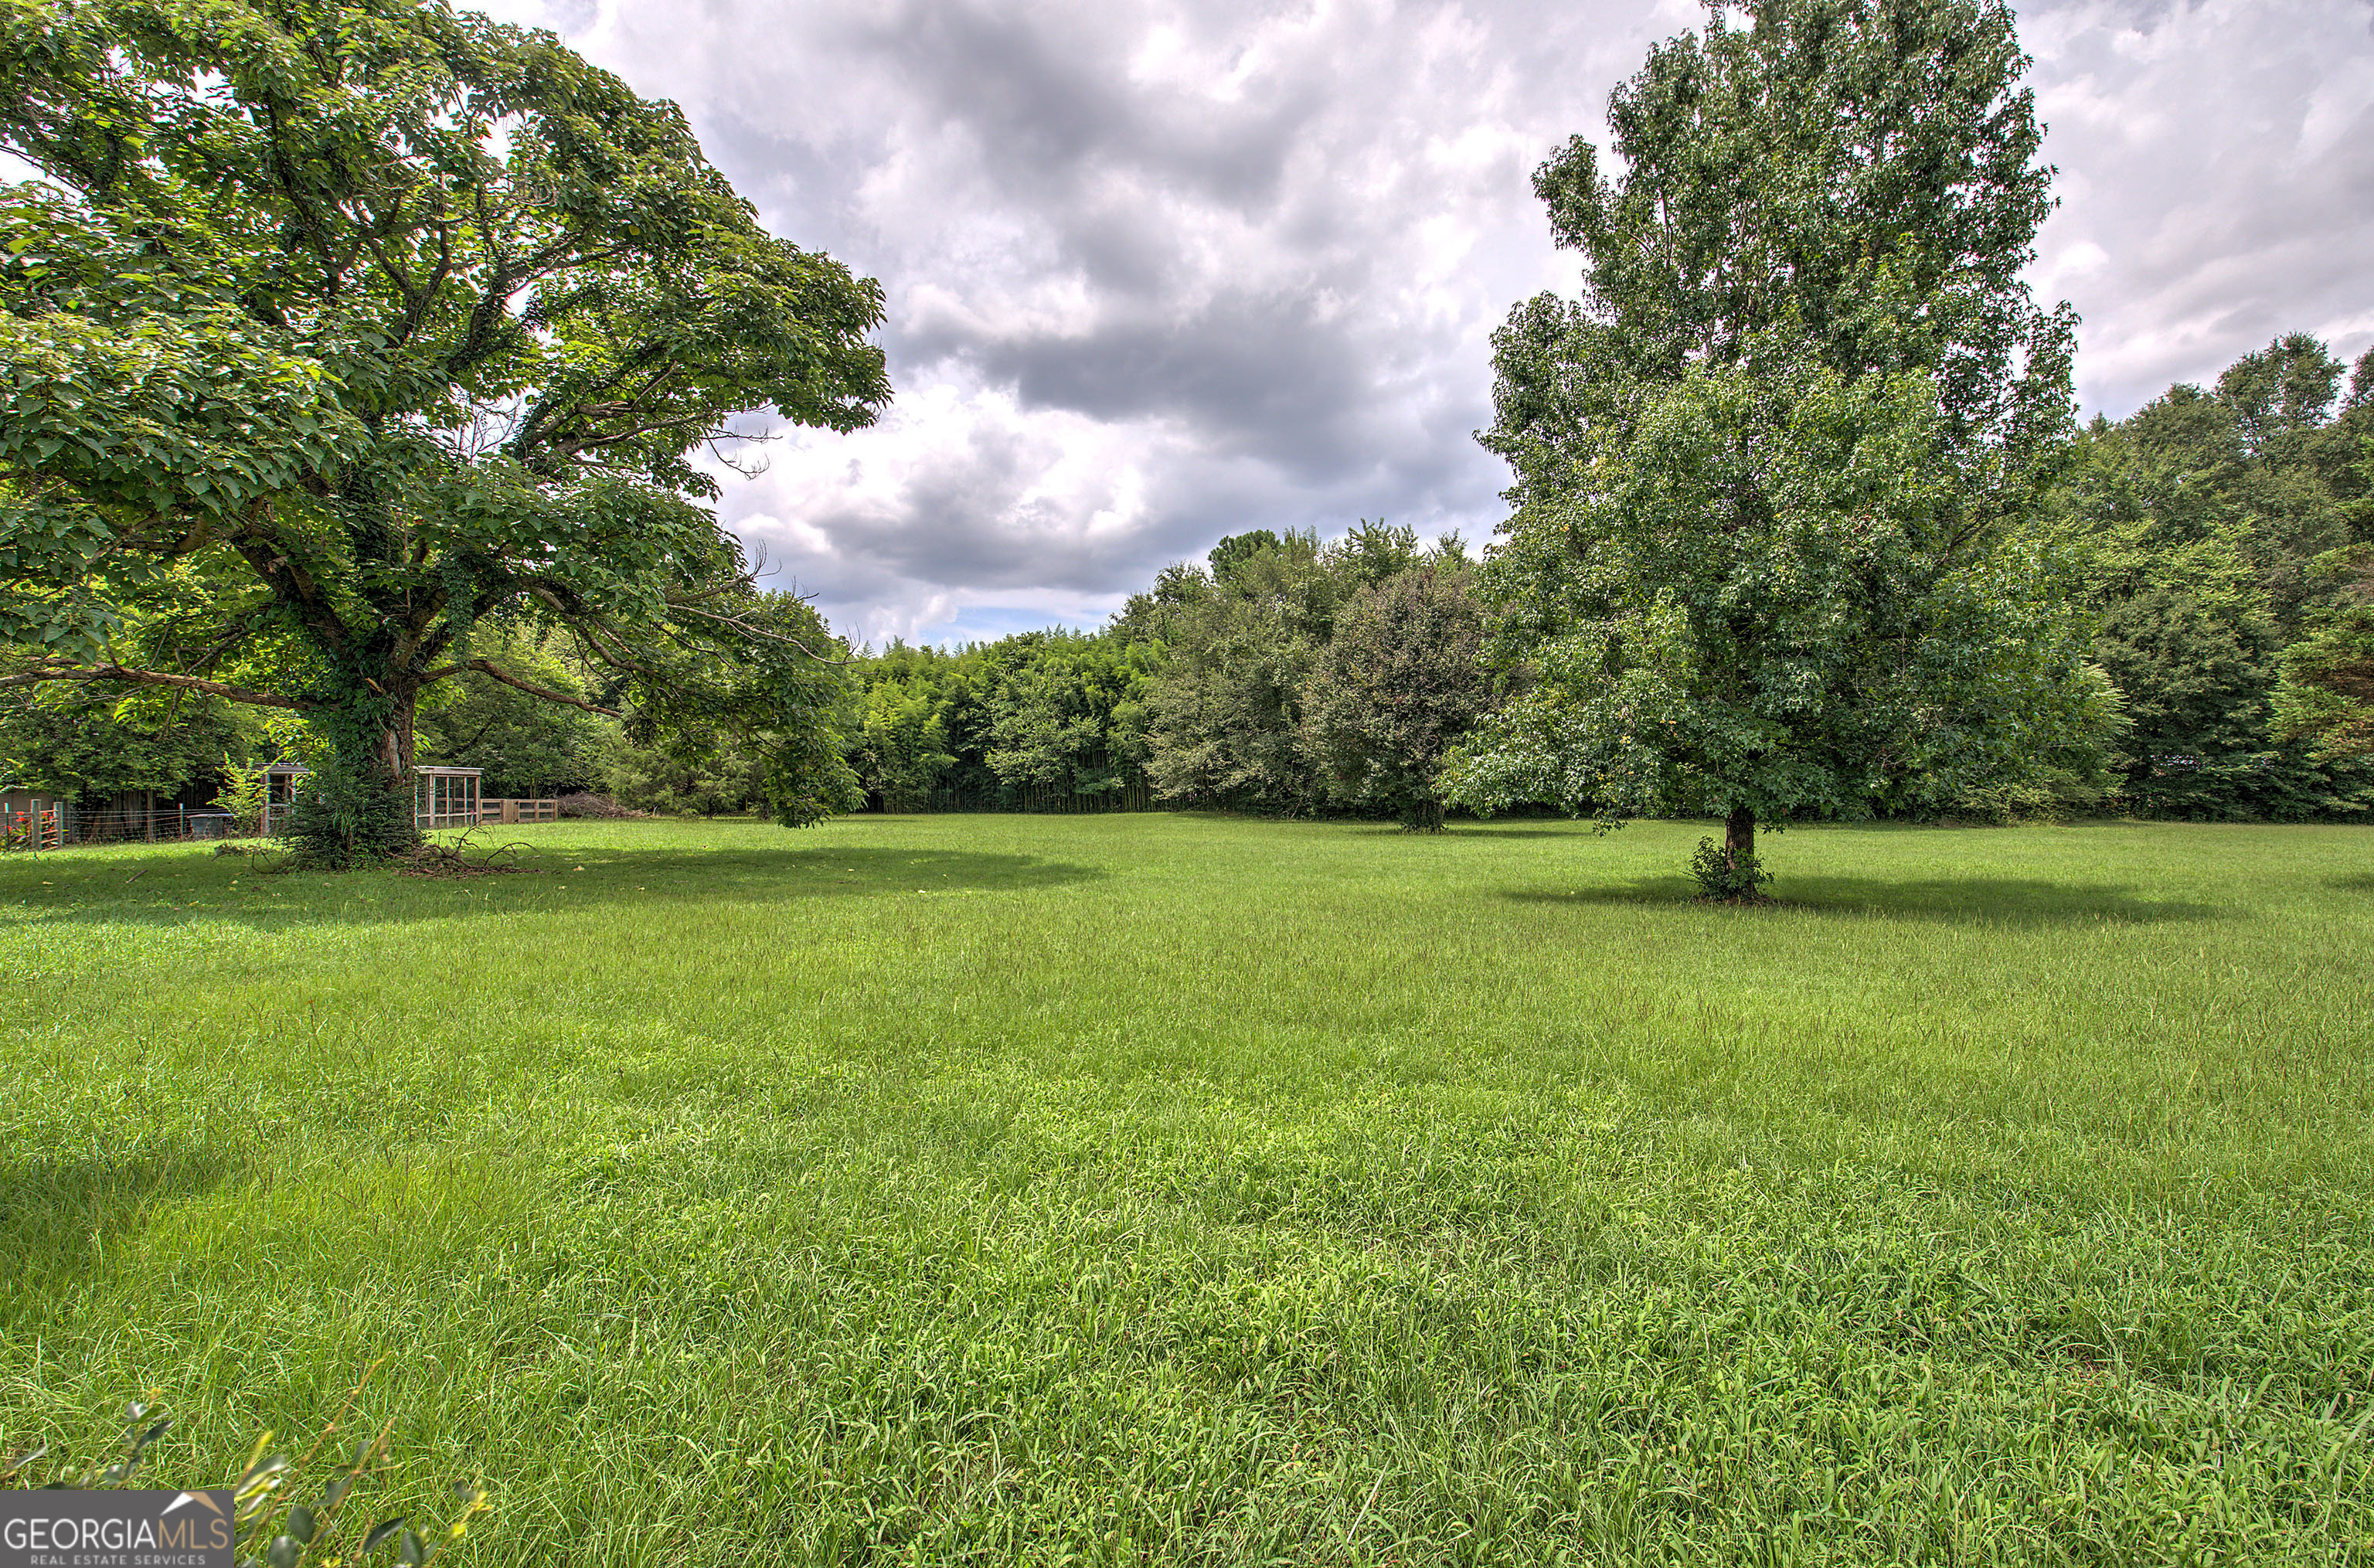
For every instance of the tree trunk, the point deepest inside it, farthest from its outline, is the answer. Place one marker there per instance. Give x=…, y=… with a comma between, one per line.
x=1739, y=836
x=392, y=754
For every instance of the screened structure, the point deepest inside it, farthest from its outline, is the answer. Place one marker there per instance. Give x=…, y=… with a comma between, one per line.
x=281, y=782
x=444, y=797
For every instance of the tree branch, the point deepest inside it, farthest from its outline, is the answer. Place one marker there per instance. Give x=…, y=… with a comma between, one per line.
x=747, y=630
x=60, y=669
x=490, y=669
x=292, y=583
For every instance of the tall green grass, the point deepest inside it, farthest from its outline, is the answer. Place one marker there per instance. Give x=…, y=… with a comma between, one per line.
x=1167, y=1190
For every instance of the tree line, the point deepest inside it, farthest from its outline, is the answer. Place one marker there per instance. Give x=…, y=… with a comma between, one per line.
x=2210, y=543
x=1281, y=676
x=2226, y=536
x=2217, y=537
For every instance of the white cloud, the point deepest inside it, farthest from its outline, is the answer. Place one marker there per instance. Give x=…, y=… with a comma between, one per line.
x=2218, y=181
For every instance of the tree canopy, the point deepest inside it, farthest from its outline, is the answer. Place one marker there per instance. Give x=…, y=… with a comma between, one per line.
x=341, y=334
x=1770, y=556
x=2219, y=526
x=1255, y=708
x=1396, y=687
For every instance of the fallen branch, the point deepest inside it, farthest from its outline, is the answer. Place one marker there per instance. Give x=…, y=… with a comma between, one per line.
x=463, y=857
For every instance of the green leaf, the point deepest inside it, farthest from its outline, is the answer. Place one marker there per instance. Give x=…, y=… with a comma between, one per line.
x=264, y=1466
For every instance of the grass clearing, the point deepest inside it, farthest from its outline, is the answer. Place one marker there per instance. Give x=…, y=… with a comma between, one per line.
x=1178, y=1189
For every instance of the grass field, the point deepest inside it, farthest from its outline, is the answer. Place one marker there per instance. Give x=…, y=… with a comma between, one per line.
x=1175, y=1189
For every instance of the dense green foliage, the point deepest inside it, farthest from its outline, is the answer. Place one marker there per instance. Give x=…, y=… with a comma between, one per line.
x=341, y=337
x=82, y=745
x=1045, y=718
x=349, y=814
x=726, y=780
x=1283, y=677
x=2221, y=525
x=1771, y=555
x=2327, y=693
x=1172, y=1189
x=526, y=747
x=1257, y=708
x=1398, y=684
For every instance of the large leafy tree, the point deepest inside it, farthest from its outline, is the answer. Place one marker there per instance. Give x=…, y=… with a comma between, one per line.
x=1243, y=641
x=1226, y=712
x=338, y=331
x=1770, y=555
x=1398, y=684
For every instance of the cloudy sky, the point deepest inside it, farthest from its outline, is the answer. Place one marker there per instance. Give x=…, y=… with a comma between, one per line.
x=1162, y=271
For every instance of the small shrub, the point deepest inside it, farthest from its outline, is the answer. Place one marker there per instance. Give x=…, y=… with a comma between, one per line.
x=1726, y=878
x=243, y=796
x=599, y=808
x=348, y=816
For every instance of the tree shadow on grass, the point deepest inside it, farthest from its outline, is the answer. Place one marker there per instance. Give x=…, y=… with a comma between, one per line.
x=64, y=1213
x=2362, y=883
x=2001, y=901
x=1540, y=828
x=547, y=878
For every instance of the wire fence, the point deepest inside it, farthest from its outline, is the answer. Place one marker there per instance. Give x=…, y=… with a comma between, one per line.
x=35, y=829
x=62, y=826
x=171, y=824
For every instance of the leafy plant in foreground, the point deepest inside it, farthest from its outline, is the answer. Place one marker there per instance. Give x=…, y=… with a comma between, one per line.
x=286, y=1512
x=1727, y=875
x=348, y=815
x=245, y=792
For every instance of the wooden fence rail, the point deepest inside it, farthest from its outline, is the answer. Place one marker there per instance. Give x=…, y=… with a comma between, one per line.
x=507, y=809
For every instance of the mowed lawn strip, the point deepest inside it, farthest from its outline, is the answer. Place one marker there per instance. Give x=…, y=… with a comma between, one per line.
x=1178, y=1189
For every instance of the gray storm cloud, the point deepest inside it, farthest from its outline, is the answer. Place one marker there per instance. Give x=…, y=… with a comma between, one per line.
x=1162, y=272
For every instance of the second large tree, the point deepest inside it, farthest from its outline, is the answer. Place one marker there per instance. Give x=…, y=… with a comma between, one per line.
x=1770, y=557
